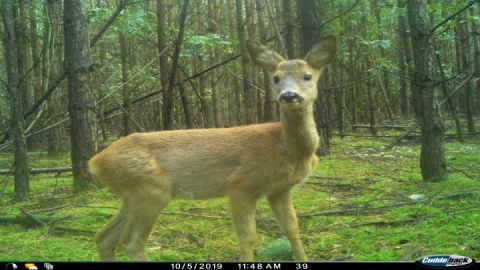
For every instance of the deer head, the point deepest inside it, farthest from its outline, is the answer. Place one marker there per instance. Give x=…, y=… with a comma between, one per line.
x=295, y=81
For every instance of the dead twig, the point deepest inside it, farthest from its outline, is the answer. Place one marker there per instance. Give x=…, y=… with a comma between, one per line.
x=42, y=170
x=52, y=208
x=90, y=206
x=56, y=229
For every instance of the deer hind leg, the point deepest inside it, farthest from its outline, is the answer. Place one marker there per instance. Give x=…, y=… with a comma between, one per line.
x=141, y=218
x=108, y=237
x=243, y=207
x=282, y=208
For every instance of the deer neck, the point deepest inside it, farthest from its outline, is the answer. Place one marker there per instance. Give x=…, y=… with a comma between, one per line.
x=300, y=132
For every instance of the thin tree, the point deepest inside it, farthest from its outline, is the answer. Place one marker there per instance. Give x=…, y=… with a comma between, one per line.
x=246, y=73
x=22, y=185
x=168, y=103
x=162, y=45
x=403, y=56
x=55, y=107
x=124, y=55
x=205, y=93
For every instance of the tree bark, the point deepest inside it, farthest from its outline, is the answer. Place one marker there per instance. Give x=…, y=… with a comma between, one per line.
x=237, y=108
x=402, y=60
x=466, y=55
x=212, y=14
x=268, y=105
x=124, y=53
x=310, y=23
x=169, y=97
x=288, y=20
x=205, y=91
x=246, y=74
x=162, y=45
x=57, y=141
x=432, y=155
x=80, y=108
x=251, y=22
x=24, y=82
x=384, y=78
x=187, y=111
x=22, y=185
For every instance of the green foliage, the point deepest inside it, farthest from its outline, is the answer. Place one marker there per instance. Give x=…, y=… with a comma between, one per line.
x=278, y=250
x=203, y=46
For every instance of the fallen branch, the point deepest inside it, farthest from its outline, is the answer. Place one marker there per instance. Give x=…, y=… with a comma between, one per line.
x=34, y=218
x=400, y=138
x=56, y=229
x=381, y=127
x=42, y=170
x=90, y=206
x=51, y=208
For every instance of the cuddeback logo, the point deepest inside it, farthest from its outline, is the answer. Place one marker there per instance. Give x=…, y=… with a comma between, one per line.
x=445, y=261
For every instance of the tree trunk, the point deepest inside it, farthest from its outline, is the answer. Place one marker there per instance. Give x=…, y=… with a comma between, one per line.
x=124, y=53
x=384, y=79
x=310, y=22
x=169, y=97
x=432, y=156
x=371, y=102
x=288, y=20
x=187, y=111
x=24, y=83
x=80, y=108
x=22, y=185
x=465, y=56
x=246, y=74
x=254, y=69
x=353, y=72
x=476, y=59
x=213, y=29
x=205, y=93
x=163, y=59
x=402, y=61
x=35, y=53
x=57, y=141
x=268, y=105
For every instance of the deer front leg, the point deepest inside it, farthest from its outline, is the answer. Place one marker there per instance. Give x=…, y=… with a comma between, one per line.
x=243, y=207
x=282, y=208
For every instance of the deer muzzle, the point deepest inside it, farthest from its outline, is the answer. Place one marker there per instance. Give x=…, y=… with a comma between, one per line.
x=290, y=97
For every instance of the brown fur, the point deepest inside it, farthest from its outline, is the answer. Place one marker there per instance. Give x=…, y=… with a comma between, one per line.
x=147, y=170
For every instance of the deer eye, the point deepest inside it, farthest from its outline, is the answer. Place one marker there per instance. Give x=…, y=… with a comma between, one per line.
x=276, y=79
x=307, y=77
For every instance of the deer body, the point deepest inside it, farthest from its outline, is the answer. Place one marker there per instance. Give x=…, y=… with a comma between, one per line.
x=184, y=159
x=147, y=170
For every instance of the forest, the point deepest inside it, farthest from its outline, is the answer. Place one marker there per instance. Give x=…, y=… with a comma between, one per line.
x=397, y=117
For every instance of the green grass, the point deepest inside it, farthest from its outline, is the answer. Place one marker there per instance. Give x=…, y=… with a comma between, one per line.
x=356, y=175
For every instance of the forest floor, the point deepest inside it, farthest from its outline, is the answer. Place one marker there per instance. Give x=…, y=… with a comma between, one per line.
x=361, y=203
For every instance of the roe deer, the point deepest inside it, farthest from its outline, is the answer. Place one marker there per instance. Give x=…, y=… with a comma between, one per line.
x=147, y=170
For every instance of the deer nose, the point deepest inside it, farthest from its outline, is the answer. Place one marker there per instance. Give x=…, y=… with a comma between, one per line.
x=290, y=97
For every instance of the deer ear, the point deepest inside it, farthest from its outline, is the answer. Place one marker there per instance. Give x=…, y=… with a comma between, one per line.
x=322, y=53
x=263, y=56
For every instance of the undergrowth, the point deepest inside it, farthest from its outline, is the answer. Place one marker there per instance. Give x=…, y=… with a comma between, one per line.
x=360, y=204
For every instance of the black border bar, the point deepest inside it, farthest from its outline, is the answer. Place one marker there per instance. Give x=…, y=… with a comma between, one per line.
x=214, y=265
